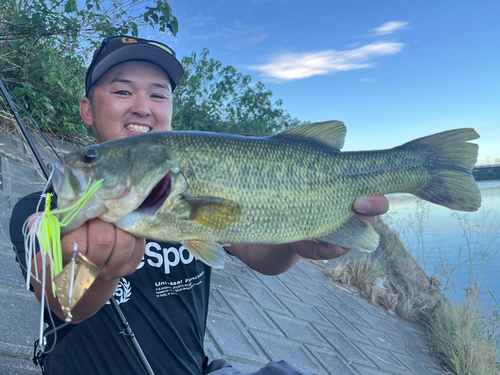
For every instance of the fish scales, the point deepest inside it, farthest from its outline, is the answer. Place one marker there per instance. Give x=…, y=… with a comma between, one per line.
x=203, y=189
x=290, y=189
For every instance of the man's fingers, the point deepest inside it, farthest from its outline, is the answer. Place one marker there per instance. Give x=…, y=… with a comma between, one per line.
x=101, y=241
x=126, y=255
x=117, y=253
x=371, y=206
x=78, y=236
x=123, y=249
x=137, y=255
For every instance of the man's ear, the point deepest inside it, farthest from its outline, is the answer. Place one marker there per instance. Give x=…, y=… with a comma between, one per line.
x=86, y=111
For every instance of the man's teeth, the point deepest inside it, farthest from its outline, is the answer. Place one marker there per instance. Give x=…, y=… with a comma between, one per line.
x=138, y=128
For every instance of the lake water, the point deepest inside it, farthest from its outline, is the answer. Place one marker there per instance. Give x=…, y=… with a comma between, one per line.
x=463, y=248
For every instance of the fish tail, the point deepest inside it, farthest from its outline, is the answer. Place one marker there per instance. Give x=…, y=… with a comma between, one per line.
x=450, y=160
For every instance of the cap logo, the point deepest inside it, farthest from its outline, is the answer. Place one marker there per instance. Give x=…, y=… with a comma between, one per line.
x=129, y=40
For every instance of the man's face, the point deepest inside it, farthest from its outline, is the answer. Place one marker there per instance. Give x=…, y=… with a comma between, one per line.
x=131, y=98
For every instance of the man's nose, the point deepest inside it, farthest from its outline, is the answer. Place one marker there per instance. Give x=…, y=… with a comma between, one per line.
x=140, y=106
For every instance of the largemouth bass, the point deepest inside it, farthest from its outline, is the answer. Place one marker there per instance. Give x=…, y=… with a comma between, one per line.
x=206, y=189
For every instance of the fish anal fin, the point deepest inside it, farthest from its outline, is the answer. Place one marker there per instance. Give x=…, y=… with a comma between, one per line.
x=212, y=212
x=210, y=253
x=330, y=132
x=354, y=234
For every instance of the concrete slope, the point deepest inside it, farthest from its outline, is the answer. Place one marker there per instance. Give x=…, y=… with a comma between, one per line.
x=300, y=316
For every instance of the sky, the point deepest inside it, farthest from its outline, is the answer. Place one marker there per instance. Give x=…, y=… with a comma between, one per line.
x=392, y=71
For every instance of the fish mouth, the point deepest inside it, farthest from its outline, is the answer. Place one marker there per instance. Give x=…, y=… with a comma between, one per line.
x=158, y=194
x=68, y=185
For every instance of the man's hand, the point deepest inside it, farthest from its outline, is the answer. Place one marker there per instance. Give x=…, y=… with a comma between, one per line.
x=117, y=253
x=367, y=207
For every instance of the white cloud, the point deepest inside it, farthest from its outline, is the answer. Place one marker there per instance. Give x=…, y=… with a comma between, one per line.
x=291, y=66
x=368, y=80
x=241, y=35
x=389, y=28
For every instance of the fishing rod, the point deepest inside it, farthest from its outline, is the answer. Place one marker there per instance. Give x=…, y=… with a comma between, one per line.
x=32, y=120
x=126, y=329
x=24, y=131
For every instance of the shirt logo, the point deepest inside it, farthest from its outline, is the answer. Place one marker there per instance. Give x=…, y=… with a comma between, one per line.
x=123, y=291
x=165, y=258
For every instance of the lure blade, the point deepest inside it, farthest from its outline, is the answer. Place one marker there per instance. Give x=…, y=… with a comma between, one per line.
x=73, y=281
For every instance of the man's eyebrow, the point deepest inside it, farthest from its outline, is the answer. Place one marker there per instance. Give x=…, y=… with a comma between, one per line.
x=121, y=80
x=154, y=84
x=161, y=85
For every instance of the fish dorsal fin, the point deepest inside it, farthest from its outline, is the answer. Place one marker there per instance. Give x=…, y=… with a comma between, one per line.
x=330, y=132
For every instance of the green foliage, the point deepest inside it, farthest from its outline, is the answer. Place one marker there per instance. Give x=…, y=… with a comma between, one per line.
x=45, y=47
x=217, y=98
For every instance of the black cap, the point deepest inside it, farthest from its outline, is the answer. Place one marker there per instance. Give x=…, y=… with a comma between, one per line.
x=118, y=49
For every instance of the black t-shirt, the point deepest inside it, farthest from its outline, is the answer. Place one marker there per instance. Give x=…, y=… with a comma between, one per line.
x=165, y=301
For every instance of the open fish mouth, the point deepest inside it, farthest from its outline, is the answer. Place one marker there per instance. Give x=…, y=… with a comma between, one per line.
x=70, y=184
x=158, y=194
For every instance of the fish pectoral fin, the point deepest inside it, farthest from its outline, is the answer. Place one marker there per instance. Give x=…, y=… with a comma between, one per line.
x=330, y=132
x=354, y=234
x=212, y=212
x=211, y=253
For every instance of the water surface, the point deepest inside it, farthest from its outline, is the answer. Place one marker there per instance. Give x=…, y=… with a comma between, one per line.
x=463, y=248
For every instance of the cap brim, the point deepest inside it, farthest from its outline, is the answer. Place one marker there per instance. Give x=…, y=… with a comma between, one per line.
x=143, y=52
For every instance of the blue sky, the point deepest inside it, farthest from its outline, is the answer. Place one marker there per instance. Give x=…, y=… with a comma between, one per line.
x=392, y=71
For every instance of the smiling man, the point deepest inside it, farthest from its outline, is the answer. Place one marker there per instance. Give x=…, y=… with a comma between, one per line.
x=138, y=84
x=162, y=289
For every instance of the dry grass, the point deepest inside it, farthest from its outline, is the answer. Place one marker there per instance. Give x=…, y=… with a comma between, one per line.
x=461, y=340
x=362, y=273
x=458, y=336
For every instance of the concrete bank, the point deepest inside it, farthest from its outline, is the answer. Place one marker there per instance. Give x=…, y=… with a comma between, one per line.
x=300, y=316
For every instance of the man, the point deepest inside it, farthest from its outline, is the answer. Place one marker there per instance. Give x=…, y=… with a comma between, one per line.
x=129, y=90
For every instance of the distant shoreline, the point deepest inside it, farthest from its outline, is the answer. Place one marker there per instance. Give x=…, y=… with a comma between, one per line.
x=486, y=173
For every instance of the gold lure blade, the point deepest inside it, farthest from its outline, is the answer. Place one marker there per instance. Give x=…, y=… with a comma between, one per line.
x=69, y=290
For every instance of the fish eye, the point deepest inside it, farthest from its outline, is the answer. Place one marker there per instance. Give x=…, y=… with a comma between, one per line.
x=90, y=155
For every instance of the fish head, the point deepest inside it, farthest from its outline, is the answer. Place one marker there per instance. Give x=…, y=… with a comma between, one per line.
x=134, y=175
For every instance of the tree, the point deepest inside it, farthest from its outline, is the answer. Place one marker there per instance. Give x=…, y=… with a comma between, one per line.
x=215, y=98
x=44, y=47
